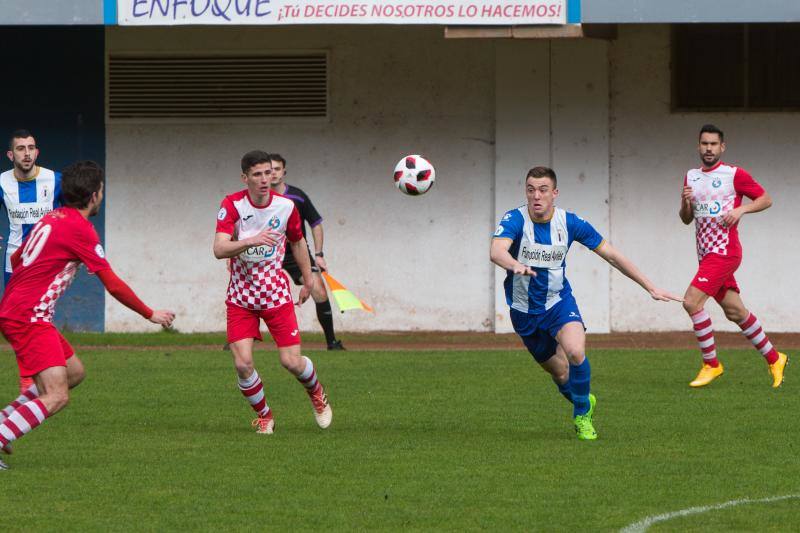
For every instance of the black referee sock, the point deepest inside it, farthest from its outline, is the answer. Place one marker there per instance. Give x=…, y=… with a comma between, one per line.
x=325, y=317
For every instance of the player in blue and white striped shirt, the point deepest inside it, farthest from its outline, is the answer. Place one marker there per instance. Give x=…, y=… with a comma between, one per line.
x=28, y=192
x=531, y=243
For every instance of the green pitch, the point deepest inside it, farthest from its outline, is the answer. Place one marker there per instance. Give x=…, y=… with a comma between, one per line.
x=161, y=440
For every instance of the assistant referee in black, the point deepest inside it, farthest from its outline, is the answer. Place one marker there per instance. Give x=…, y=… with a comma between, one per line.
x=308, y=213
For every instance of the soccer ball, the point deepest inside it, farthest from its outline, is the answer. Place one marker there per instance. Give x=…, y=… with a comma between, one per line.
x=414, y=175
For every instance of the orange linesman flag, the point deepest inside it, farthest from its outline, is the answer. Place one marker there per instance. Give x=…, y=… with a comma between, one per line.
x=345, y=300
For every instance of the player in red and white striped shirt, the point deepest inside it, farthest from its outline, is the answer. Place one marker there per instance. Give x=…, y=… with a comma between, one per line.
x=712, y=197
x=44, y=268
x=253, y=227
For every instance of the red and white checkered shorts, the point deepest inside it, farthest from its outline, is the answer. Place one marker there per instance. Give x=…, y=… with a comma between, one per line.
x=38, y=345
x=281, y=322
x=715, y=275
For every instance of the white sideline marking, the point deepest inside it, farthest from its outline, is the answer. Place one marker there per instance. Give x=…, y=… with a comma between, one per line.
x=642, y=525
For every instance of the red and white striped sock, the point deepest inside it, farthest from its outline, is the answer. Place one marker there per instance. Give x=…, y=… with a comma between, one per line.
x=705, y=337
x=25, y=418
x=308, y=377
x=30, y=394
x=253, y=390
x=751, y=328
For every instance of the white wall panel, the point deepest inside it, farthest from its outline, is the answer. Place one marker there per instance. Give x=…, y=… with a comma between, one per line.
x=420, y=262
x=522, y=100
x=651, y=149
x=484, y=112
x=580, y=158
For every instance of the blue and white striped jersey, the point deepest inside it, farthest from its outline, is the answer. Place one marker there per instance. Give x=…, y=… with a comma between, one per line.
x=543, y=247
x=26, y=202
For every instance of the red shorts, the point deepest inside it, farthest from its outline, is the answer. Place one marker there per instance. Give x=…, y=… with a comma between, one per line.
x=715, y=275
x=281, y=322
x=38, y=345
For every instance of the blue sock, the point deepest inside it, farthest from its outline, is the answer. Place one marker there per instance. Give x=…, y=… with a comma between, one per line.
x=580, y=377
x=563, y=388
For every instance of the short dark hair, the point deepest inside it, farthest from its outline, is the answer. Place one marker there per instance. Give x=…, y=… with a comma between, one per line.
x=18, y=134
x=253, y=158
x=543, y=172
x=279, y=158
x=79, y=182
x=710, y=128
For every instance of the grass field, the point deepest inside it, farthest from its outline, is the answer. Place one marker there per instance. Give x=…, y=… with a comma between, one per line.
x=160, y=439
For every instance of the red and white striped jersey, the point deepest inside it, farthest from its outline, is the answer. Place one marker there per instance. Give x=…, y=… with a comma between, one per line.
x=257, y=279
x=715, y=192
x=51, y=254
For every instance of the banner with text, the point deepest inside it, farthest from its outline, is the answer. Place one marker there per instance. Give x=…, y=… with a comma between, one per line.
x=279, y=12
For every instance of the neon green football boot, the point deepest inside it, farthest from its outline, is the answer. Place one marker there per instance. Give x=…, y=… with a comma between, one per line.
x=583, y=423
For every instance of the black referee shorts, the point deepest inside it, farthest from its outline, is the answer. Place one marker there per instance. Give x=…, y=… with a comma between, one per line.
x=291, y=266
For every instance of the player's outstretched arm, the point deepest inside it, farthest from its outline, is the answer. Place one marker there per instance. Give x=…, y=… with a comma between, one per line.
x=125, y=295
x=225, y=247
x=300, y=253
x=500, y=256
x=615, y=258
x=162, y=317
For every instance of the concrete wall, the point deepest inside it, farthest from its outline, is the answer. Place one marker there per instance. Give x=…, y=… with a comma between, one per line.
x=651, y=149
x=421, y=262
x=552, y=109
x=484, y=111
x=68, y=125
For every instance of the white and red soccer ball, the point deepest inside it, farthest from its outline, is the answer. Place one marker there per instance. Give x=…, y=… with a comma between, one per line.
x=414, y=175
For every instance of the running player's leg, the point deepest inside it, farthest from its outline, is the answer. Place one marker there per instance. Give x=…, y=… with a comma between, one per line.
x=560, y=373
x=563, y=323
x=572, y=338
x=712, y=274
x=53, y=385
x=242, y=331
x=694, y=301
x=39, y=354
x=75, y=375
x=556, y=339
x=31, y=393
x=543, y=348
x=282, y=324
x=735, y=311
x=75, y=371
x=54, y=396
x=558, y=368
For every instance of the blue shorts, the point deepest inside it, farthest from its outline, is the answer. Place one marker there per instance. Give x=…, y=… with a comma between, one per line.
x=538, y=332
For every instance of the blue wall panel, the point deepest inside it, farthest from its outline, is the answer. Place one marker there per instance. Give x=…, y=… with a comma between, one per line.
x=666, y=11
x=55, y=88
x=39, y=12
